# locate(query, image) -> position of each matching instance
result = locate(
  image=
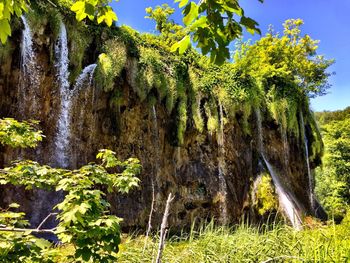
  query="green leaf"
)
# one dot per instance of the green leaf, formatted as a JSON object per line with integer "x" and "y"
{"x": 191, "y": 13}
{"x": 5, "y": 30}
{"x": 201, "y": 22}
{"x": 184, "y": 44}
{"x": 1, "y": 10}
{"x": 250, "y": 25}
{"x": 78, "y": 7}
{"x": 14, "y": 205}
{"x": 182, "y": 3}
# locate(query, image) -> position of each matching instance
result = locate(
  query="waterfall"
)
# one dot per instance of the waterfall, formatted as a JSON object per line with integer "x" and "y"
{"x": 29, "y": 75}
{"x": 310, "y": 179}
{"x": 285, "y": 200}
{"x": 63, "y": 126}
{"x": 86, "y": 74}
{"x": 222, "y": 167}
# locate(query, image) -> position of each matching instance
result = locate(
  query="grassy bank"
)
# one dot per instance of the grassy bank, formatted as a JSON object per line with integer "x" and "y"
{"x": 281, "y": 243}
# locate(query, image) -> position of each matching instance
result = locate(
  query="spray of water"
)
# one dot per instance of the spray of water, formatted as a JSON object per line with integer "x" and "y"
{"x": 286, "y": 202}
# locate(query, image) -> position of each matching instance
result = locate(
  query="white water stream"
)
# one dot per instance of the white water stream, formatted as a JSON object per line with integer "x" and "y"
{"x": 63, "y": 125}
{"x": 222, "y": 168}
{"x": 310, "y": 178}
{"x": 286, "y": 202}
{"x": 29, "y": 79}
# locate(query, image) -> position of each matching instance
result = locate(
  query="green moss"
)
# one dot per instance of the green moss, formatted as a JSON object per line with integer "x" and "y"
{"x": 246, "y": 110}
{"x": 182, "y": 120}
{"x": 79, "y": 40}
{"x": 212, "y": 116}
{"x": 317, "y": 146}
{"x": 172, "y": 95}
{"x": 110, "y": 64}
{"x": 266, "y": 201}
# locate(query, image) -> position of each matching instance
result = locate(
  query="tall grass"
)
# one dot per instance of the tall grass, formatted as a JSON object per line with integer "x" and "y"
{"x": 245, "y": 244}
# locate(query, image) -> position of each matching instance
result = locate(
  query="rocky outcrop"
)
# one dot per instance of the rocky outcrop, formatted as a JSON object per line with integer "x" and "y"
{"x": 135, "y": 129}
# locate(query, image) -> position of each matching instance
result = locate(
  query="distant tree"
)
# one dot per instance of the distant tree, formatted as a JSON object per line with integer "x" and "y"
{"x": 333, "y": 180}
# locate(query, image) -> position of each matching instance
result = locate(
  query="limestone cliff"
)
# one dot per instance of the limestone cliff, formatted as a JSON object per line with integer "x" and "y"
{"x": 136, "y": 128}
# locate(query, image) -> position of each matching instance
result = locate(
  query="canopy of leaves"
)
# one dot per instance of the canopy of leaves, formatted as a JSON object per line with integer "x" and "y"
{"x": 83, "y": 215}
{"x": 289, "y": 61}
{"x": 213, "y": 25}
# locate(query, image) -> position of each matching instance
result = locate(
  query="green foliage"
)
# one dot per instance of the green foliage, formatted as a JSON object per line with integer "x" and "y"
{"x": 182, "y": 121}
{"x": 79, "y": 38}
{"x": 170, "y": 31}
{"x": 83, "y": 214}
{"x": 266, "y": 201}
{"x": 19, "y": 134}
{"x": 20, "y": 246}
{"x": 288, "y": 71}
{"x": 110, "y": 64}
{"x": 333, "y": 180}
{"x": 213, "y": 25}
{"x": 8, "y": 8}
{"x": 94, "y": 9}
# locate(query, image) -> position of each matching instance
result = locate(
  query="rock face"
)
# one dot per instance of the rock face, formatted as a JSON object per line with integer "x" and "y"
{"x": 135, "y": 129}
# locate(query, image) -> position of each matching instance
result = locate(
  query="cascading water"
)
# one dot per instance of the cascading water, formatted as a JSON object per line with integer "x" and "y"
{"x": 284, "y": 199}
{"x": 63, "y": 127}
{"x": 222, "y": 167}
{"x": 29, "y": 76}
{"x": 86, "y": 74}
{"x": 310, "y": 178}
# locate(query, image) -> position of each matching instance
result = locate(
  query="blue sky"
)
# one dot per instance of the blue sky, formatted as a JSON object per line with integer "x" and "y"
{"x": 325, "y": 20}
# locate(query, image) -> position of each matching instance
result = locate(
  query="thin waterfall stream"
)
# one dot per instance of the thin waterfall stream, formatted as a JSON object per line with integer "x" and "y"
{"x": 310, "y": 178}
{"x": 63, "y": 125}
{"x": 29, "y": 79}
{"x": 86, "y": 74}
{"x": 222, "y": 167}
{"x": 285, "y": 200}
{"x": 66, "y": 95}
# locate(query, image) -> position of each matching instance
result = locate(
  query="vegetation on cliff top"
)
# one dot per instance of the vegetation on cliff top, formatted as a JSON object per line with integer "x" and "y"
{"x": 277, "y": 74}
{"x": 213, "y": 25}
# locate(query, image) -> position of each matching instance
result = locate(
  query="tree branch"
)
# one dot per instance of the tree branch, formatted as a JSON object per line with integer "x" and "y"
{"x": 150, "y": 218}
{"x": 163, "y": 230}
{"x": 45, "y": 219}
{"x": 10, "y": 229}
